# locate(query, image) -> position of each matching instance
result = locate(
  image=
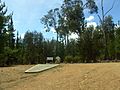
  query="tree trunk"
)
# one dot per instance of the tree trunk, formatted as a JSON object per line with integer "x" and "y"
{"x": 57, "y": 45}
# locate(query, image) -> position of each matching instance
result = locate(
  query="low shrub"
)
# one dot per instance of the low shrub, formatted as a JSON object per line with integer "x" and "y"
{"x": 77, "y": 59}
{"x": 68, "y": 59}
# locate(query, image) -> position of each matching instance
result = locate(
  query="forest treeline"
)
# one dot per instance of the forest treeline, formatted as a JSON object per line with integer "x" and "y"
{"x": 92, "y": 45}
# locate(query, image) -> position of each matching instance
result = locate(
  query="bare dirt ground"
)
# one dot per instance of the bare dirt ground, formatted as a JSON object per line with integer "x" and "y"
{"x": 102, "y": 76}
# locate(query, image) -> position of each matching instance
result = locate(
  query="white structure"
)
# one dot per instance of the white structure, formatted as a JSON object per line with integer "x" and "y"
{"x": 57, "y": 61}
{"x": 49, "y": 59}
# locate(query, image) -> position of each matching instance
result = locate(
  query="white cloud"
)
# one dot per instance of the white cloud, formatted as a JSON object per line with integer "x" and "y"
{"x": 53, "y": 30}
{"x": 117, "y": 26}
{"x": 22, "y": 35}
{"x": 91, "y": 23}
{"x": 73, "y": 36}
{"x": 90, "y": 18}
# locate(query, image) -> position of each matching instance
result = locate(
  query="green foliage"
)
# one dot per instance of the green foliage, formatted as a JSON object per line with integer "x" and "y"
{"x": 8, "y": 58}
{"x": 10, "y": 31}
{"x": 2, "y": 60}
{"x": 71, "y": 48}
{"x": 68, "y": 59}
{"x": 7, "y": 42}
{"x": 61, "y": 50}
{"x": 91, "y": 5}
{"x": 109, "y": 37}
{"x": 117, "y": 42}
{"x": 33, "y": 46}
{"x": 71, "y": 59}
{"x": 77, "y": 59}
{"x": 73, "y": 11}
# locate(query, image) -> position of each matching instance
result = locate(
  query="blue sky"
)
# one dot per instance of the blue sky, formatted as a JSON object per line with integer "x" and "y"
{"x": 27, "y": 13}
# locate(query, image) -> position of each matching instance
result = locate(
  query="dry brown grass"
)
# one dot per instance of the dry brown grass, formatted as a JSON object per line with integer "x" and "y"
{"x": 102, "y": 76}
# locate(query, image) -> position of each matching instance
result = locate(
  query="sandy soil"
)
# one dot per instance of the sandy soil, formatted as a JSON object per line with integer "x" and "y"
{"x": 103, "y": 76}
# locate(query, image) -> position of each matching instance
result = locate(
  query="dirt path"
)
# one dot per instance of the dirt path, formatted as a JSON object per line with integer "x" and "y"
{"x": 69, "y": 77}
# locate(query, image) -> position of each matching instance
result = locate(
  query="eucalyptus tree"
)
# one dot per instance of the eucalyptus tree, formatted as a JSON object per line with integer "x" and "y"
{"x": 69, "y": 18}
{"x": 102, "y": 18}
{"x": 50, "y": 21}
{"x": 91, "y": 4}
{"x": 73, "y": 11}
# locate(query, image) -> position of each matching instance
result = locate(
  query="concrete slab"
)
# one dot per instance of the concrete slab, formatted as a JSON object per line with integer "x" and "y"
{"x": 40, "y": 68}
